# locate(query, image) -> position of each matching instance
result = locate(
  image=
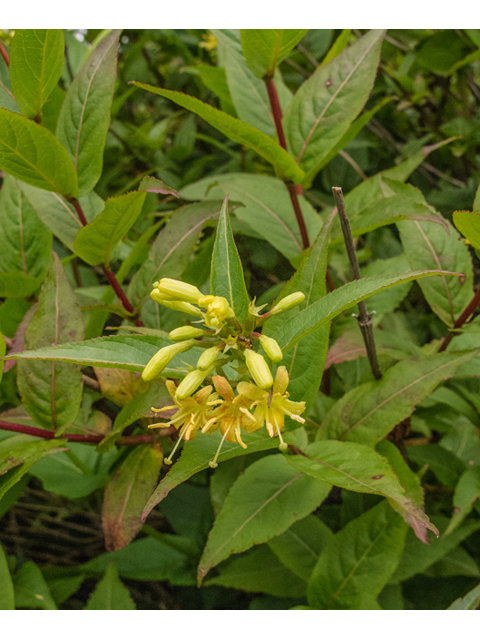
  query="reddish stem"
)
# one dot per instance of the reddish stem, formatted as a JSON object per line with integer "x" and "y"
{"x": 462, "y": 319}
{"x": 79, "y": 210}
{"x": 108, "y": 273}
{"x": 293, "y": 190}
{"x": 73, "y": 437}
{"x": 276, "y": 110}
{"x": 4, "y": 54}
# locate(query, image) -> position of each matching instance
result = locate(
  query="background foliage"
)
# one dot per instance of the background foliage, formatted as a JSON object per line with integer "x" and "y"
{"x": 85, "y": 117}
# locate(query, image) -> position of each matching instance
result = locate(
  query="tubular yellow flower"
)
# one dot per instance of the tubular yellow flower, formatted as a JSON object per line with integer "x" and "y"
{"x": 176, "y": 305}
{"x": 160, "y": 360}
{"x": 169, "y": 288}
{"x": 218, "y": 310}
{"x": 271, "y": 348}
{"x": 287, "y": 303}
{"x": 259, "y": 369}
{"x": 190, "y": 383}
{"x": 272, "y": 407}
{"x": 186, "y": 333}
{"x": 207, "y": 359}
{"x": 231, "y": 416}
{"x": 191, "y": 414}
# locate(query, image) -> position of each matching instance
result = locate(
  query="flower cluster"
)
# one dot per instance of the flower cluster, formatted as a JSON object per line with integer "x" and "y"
{"x": 225, "y": 341}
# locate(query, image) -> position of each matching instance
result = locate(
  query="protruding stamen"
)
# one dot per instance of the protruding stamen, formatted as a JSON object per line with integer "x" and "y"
{"x": 213, "y": 463}
{"x": 239, "y": 437}
{"x": 170, "y": 408}
{"x": 169, "y": 460}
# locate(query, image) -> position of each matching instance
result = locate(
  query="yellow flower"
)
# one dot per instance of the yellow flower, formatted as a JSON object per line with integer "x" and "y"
{"x": 218, "y": 310}
{"x": 231, "y": 415}
{"x": 192, "y": 413}
{"x": 271, "y": 407}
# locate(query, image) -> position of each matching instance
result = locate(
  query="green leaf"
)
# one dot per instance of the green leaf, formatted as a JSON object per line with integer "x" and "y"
{"x": 418, "y": 556}
{"x": 126, "y": 494}
{"x": 469, "y": 602}
{"x": 338, "y": 46}
{"x": 226, "y": 278}
{"x": 306, "y": 372}
{"x": 110, "y": 593}
{"x": 75, "y": 473}
{"x": 300, "y": 546}
{"x": 248, "y": 93}
{"x": 62, "y": 589}
{"x": 36, "y": 63}
{"x": 52, "y": 393}
{"x": 389, "y": 210}
{"x": 173, "y": 247}
{"x": 267, "y": 207}
{"x": 145, "y": 559}
{"x": 356, "y": 467}
{"x": 22, "y": 449}
{"x": 31, "y": 590}
{"x": 123, "y": 352}
{"x": 354, "y": 130}
{"x": 85, "y": 116}
{"x": 196, "y": 455}
{"x": 326, "y": 104}
{"x": 357, "y": 562}
{"x": 409, "y": 481}
{"x": 7, "y": 99}
{"x": 428, "y": 246}
{"x": 322, "y": 311}
{"x": 264, "y": 502}
{"x": 368, "y": 413}
{"x": 59, "y": 215}
{"x": 31, "y": 153}
{"x": 468, "y": 223}
{"x": 443, "y": 463}
{"x": 260, "y": 571}
{"x": 264, "y": 49}
{"x": 7, "y": 596}
{"x": 18, "y": 285}
{"x": 236, "y": 130}
{"x": 466, "y": 492}
{"x": 95, "y": 242}
{"x": 25, "y": 243}
{"x": 216, "y": 80}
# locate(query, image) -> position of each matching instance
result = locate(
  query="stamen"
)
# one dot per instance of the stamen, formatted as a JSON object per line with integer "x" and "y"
{"x": 213, "y": 463}
{"x": 239, "y": 437}
{"x": 208, "y": 424}
{"x": 163, "y": 409}
{"x": 283, "y": 446}
{"x": 169, "y": 460}
{"x": 270, "y": 429}
{"x": 294, "y": 417}
{"x": 159, "y": 425}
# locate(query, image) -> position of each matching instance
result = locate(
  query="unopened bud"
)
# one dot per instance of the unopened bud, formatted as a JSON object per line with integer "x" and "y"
{"x": 218, "y": 310}
{"x": 259, "y": 369}
{"x": 190, "y": 383}
{"x": 185, "y": 333}
{"x": 176, "y": 305}
{"x": 207, "y": 358}
{"x": 271, "y": 348}
{"x": 160, "y": 360}
{"x": 179, "y": 290}
{"x": 281, "y": 380}
{"x": 288, "y": 303}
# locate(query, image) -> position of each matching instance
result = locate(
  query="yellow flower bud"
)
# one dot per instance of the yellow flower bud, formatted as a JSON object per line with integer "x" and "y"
{"x": 208, "y": 358}
{"x": 288, "y": 303}
{"x": 259, "y": 369}
{"x": 176, "y": 305}
{"x": 185, "y": 333}
{"x": 179, "y": 290}
{"x": 190, "y": 383}
{"x": 271, "y": 348}
{"x": 160, "y": 360}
